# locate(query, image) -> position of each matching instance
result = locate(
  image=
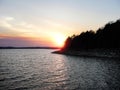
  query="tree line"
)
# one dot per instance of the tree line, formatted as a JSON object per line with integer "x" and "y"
{"x": 105, "y": 37}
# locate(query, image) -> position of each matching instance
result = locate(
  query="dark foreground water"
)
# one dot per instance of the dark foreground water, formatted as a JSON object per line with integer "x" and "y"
{"x": 39, "y": 69}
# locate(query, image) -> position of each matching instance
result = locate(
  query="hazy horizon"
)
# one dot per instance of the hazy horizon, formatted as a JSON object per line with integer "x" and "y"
{"x": 49, "y": 22}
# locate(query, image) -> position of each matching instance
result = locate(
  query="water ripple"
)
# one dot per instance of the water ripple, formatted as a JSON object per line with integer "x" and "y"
{"x": 41, "y": 70}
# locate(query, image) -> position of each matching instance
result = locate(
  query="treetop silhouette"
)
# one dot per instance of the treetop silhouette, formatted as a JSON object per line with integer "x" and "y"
{"x": 105, "y": 37}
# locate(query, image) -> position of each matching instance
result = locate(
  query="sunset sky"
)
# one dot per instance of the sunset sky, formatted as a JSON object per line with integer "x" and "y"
{"x": 50, "y": 22}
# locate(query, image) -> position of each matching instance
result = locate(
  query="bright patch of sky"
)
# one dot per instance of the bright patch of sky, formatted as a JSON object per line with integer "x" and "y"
{"x": 39, "y": 19}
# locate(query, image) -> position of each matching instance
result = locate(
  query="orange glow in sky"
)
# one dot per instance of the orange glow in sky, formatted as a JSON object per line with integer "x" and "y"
{"x": 50, "y": 22}
{"x": 58, "y": 39}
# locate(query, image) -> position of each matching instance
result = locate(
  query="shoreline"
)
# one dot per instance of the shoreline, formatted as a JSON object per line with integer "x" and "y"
{"x": 105, "y": 53}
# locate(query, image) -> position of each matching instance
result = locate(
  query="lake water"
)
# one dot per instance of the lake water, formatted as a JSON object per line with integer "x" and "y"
{"x": 39, "y": 69}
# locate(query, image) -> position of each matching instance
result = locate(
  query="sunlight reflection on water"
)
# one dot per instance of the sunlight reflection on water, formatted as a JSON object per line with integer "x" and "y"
{"x": 58, "y": 71}
{"x": 40, "y": 70}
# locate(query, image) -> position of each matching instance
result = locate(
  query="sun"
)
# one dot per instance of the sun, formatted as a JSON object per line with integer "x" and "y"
{"x": 59, "y": 39}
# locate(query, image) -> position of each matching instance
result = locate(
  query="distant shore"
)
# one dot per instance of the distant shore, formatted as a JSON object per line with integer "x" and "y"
{"x": 109, "y": 53}
{"x": 29, "y": 48}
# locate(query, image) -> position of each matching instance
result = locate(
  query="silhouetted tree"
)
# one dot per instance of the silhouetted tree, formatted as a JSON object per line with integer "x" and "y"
{"x": 67, "y": 43}
{"x": 105, "y": 37}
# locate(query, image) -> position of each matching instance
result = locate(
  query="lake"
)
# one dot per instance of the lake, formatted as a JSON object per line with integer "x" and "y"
{"x": 39, "y": 69}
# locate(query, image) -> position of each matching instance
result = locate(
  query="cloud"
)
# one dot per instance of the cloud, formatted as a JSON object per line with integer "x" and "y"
{"x": 26, "y": 25}
{"x": 52, "y": 23}
{"x": 9, "y": 18}
{"x": 23, "y": 41}
{"x": 36, "y": 32}
{"x": 15, "y": 41}
{"x": 4, "y": 22}
{"x": 13, "y": 26}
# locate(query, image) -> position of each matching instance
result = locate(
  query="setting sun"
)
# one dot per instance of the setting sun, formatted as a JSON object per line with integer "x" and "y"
{"x": 59, "y": 39}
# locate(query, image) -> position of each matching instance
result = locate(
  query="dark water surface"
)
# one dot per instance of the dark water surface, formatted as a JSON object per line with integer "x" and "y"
{"x": 39, "y": 69}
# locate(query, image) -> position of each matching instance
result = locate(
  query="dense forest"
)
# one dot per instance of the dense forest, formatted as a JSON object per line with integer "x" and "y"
{"x": 105, "y": 37}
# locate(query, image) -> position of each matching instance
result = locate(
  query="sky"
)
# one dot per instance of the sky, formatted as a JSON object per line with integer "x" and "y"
{"x": 50, "y": 22}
